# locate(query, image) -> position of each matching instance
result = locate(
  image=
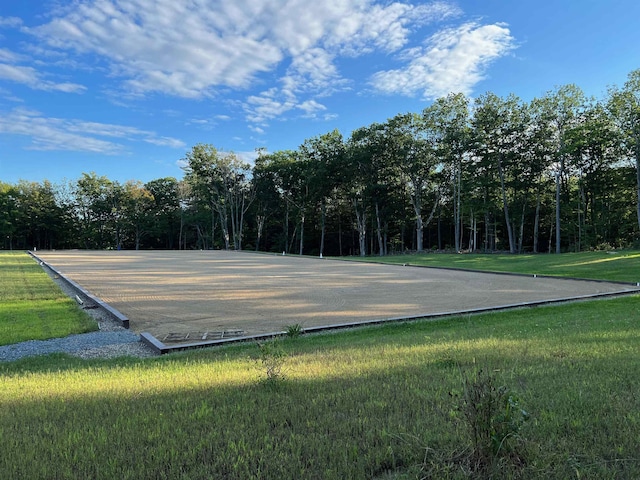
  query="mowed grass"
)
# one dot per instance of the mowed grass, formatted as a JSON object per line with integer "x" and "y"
{"x": 32, "y": 307}
{"x": 379, "y": 402}
{"x": 622, "y": 266}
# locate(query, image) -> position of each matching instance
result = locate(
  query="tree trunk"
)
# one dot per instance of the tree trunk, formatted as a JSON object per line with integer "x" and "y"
{"x": 225, "y": 228}
{"x": 475, "y": 234}
{"x": 417, "y": 208}
{"x": 339, "y": 236}
{"x": 286, "y": 228}
{"x": 301, "y": 234}
{"x": 379, "y": 230}
{"x": 293, "y": 239}
{"x": 521, "y": 235}
{"x": 512, "y": 247}
{"x": 361, "y": 221}
{"x": 557, "y": 212}
{"x": 323, "y": 216}
{"x": 456, "y": 205}
{"x": 260, "y": 219}
{"x": 536, "y": 222}
{"x": 638, "y": 179}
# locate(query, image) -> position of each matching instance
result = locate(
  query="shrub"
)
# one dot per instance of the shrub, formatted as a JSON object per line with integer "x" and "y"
{"x": 493, "y": 418}
{"x": 295, "y": 330}
{"x": 272, "y": 360}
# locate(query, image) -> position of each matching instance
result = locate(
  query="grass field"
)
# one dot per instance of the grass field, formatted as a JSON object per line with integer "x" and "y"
{"x": 384, "y": 402}
{"x": 32, "y": 307}
{"x": 623, "y": 266}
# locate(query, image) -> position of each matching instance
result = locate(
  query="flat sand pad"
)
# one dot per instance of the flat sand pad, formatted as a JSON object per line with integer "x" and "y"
{"x": 166, "y": 292}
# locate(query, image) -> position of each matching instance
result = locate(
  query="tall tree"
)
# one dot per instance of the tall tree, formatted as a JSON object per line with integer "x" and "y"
{"x": 223, "y": 179}
{"x": 449, "y": 117}
{"x": 592, "y": 143}
{"x": 499, "y": 129}
{"x": 97, "y": 204}
{"x": 268, "y": 201}
{"x": 625, "y": 105}
{"x": 137, "y": 211}
{"x": 563, "y": 104}
{"x": 324, "y": 155}
{"x": 412, "y": 147}
{"x": 289, "y": 176}
{"x": 165, "y": 210}
{"x": 541, "y": 156}
{"x": 10, "y": 220}
{"x": 369, "y": 181}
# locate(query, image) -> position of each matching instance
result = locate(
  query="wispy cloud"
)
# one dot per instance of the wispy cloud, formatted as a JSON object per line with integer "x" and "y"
{"x": 173, "y": 48}
{"x": 201, "y": 49}
{"x": 29, "y": 76}
{"x": 47, "y": 133}
{"x": 10, "y": 22}
{"x": 453, "y": 60}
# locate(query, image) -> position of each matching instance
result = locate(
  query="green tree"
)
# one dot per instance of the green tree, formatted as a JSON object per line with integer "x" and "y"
{"x": 165, "y": 211}
{"x": 592, "y": 143}
{"x": 563, "y": 108}
{"x": 411, "y": 145}
{"x": 10, "y": 220}
{"x": 97, "y": 204}
{"x": 323, "y": 156}
{"x": 541, "y": 156}
{"x": 625, "y": 105}
{"x": 223, "y": 179}
{"x": 42, "y": 220}
{"x": 499, "y": 126}
{"x": 137, "y": 211}
{"x": 449, "y": 117}
{"x": 370, "y": 181}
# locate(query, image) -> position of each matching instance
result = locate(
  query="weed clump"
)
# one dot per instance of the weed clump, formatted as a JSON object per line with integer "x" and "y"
{"x": 295, "y": 330}
{"x": 272, "y": 359}
{"x": 493, "y": 418}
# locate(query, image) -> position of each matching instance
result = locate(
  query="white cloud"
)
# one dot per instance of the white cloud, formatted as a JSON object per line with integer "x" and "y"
{"x": 29, "y": 76}
{"x": 48, "y": 133}
{"x": 256, "y": 129}
{"x": 10, "y": 22}
{"x": 454, "y": 60}
{"x": 188, "y": 49}
{"x": 248, "y": 156}
{"x": 311, "y": 107}
{"x": 203, "y": 48}
{"x": 9, "y": 56}
{"x": 32, "y": 78}
{"x": 268, "y": 105}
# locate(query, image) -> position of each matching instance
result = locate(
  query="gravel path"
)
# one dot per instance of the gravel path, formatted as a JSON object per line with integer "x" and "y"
{"x": 112, "y": 340}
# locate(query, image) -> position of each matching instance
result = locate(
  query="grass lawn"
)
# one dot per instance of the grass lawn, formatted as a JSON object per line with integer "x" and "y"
{"x": 380, "y": 402}
{"x": 622, "y": 266}
{"x": 32, "y": 307}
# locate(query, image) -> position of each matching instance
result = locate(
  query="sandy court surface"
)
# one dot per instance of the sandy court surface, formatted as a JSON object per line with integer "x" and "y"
{"x": 165, "y": 292}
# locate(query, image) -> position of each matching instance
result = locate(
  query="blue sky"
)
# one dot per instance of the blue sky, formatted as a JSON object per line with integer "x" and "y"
{"x": 124, "y": 88}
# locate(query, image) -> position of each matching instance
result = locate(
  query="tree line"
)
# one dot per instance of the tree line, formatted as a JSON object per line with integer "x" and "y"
{"x": 558, "y": 173}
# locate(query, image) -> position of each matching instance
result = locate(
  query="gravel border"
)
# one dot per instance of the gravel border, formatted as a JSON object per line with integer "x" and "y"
{"x": 112, "y": 340}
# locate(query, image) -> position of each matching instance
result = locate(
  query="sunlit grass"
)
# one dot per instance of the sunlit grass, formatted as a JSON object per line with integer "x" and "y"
{"x": 354, "y": 404}
{"x": 377, "y": 402}
{"x": 32, "y": 307}
{"x": 622, "y": 266}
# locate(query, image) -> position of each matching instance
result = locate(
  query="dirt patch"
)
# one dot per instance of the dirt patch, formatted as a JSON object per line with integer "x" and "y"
{"x": 178, "y": 292}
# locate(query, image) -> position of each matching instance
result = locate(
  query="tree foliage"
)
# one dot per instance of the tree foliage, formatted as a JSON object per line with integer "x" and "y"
{"x": 559, "y": 171}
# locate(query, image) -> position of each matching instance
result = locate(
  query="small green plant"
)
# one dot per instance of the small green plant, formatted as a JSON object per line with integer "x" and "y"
{"x": 294, "y": 331}
{"x": 494, "y": 418}
{"x": 272, "y": 360}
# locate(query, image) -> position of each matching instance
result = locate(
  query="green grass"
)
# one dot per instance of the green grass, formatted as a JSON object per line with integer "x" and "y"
{"x": 379, "y": 402}
{"x": 32, "y": 307}
{"x": 622, "y": 266}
